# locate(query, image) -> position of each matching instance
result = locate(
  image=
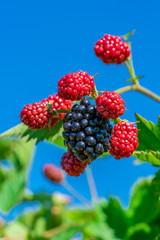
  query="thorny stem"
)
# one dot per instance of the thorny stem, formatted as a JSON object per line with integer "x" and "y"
{"x": 75, "y": 193}
{"x": 91, "y": 183}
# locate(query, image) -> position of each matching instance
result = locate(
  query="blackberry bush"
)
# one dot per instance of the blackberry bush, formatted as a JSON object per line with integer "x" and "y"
{"x": 86, "y": 133}
{"x": 85, "y": 130}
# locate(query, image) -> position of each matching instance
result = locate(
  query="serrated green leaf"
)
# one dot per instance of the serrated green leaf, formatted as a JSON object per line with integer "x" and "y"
{"x": 148, "y": 135}
{"x": 50, "y": 134}
{"x": 11, "y": 191}
{"x": 45, "y": 133}
{"x": 151, "y": 157}
{"x": 17, "y": 131}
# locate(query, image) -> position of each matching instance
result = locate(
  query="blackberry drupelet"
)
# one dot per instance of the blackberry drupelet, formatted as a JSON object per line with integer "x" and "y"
{"x": 86, "y": 133}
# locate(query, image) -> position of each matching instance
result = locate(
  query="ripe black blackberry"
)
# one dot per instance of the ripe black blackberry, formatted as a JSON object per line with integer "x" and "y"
{"x": 86, "y": 133}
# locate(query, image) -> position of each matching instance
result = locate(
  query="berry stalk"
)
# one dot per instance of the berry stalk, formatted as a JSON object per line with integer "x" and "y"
{"x": 91, "y": 183}
{"x": 76, "y": 194}
{"x": 136, "y": 86}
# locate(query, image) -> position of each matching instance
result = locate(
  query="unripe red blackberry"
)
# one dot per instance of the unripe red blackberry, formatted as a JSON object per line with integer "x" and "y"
{"x": 110, "y": 105}
{"x": 124, "y": 141}
{"x": 111, "y": 49}
{"x": 37, "y": 116}
{"x": 72, "y": 165}
{"x": 74, "y": 86}
{"x": 53, "y": 173}
{"x": 86, "y": 133}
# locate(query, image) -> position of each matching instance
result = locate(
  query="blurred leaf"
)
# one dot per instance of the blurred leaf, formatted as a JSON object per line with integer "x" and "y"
{"x": 99, "y": 230}
{"x": 16, "y": 150}
{"x": 65, "y": 233}
{"x": 40, "y": 227}
{"x": 144, "y": 203}
{"x": 16, "y": 229}
{"x": 28, "y": 219}
{"x": 22, "y": 130}
{"x": 82, "y": 215}
{"x": 14, "y": 180}
{"x": 11, "y": 191}
{"x": 116, "y": 217}
{"x": 148, "y": 134}
{"x": 156, "y": 181}
{"x": 139, "y": 232}
{"x": 6, "y": 147}
{"x": 151, "y": 157}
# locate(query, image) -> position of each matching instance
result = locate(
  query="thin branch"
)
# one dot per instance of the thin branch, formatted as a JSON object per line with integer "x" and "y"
{"x": 148, "y": 93}
{"x": 141, "y": 89}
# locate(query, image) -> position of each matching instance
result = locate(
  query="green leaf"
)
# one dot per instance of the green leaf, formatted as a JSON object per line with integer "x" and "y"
{"x": 6, "y": 147}
{"x": 14, "y": 180}
{"x": 126, "y": 37}
{"x": 22, "y": 130}
{"x": 149, "y": 141}
{"x": 148, "y": 135}
{"x": 151, "y": 157}
{"x": 18, "y": 130}
{"x": 11, "y": 191}
{"x": 116, "y": 217}
{"x": 156, "y": 181}
{"x": 144, "y": 203}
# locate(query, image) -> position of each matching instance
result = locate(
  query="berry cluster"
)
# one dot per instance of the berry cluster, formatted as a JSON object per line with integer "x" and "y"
{"x": 111, "y": 49}
{"x": 53, "y": 173}
{"x": 37, "y": 116}
{"x": 74, "y": 86}
{"x": 124, "y": 141}
{"x": 110, "y": 105}
{"x": 86, "y": 133}
{"x": 72, "y": 165}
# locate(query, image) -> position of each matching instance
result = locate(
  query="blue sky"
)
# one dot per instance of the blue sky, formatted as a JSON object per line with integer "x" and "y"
{"x": 41, "y": 41}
